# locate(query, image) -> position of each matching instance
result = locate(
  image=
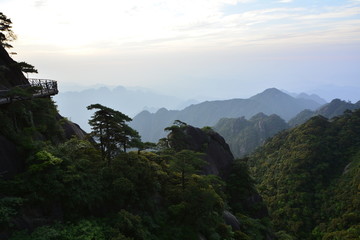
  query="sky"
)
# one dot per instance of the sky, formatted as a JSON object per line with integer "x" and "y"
{"x": 203, "y": 49}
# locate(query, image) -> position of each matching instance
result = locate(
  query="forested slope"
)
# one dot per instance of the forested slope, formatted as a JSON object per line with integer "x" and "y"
{"x": 309, "y": 177}
{"x": 67, "y": 191}
{"x": 244, "y": 136}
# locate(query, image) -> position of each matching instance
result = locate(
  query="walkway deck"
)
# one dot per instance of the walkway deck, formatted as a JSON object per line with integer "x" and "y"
{"x": 42, "y": 88}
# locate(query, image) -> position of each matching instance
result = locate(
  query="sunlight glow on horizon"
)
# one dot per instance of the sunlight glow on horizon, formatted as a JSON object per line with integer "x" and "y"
{"x": 172, "y": 44}
{"x": 85, "y": 26}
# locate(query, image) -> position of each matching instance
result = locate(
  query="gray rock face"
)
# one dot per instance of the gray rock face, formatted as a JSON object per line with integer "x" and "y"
{"x": 73, "y": 130}
{"x": 231, "y": 220}
{"x": 217, "y": 152}
{"x": 10, "y": 74}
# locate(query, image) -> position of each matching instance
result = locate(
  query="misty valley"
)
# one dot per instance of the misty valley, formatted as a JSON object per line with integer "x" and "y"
{"x": 130, "y": 164}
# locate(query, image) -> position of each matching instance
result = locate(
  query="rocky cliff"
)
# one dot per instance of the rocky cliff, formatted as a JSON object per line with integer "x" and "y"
{"x": 217, "y": 152}
{"x": 10, "y": 74}
{"x": 243, "y": 197}
{"x": 24, "y": 122}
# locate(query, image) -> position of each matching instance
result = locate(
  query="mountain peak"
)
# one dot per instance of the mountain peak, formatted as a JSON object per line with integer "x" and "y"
{"x": 272, "y": 93}
{"x": 258, "y": 116}
{"x": 162, "y": 110}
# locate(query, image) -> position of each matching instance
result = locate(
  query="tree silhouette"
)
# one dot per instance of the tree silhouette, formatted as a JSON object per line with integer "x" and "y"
{"x": 111, "y": 132}
{"x": 26, "y": 68}
{"x": 6, "y": 33}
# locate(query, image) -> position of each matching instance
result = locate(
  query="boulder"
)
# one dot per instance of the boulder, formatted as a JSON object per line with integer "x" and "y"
{"x": 217, "y": 152}
{"x": 231, "y": 220}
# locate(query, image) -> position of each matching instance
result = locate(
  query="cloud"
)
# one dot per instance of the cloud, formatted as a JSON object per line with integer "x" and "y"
{"x": 285, "y": 1}
{"x": 88, "y": 26}
{"x": 40, "y": 3}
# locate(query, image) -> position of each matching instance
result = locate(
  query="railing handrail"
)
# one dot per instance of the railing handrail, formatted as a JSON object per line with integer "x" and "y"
{"x": 47, "y": 87}
{"x": 34, "y": 82}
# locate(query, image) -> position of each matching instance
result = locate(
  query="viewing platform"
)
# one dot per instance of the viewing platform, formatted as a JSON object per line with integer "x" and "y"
{"x": 41, "y": 88}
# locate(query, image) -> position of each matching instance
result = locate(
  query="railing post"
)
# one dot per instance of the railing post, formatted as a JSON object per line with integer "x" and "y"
{"x": 47, "y": 88}
{"x": 42, "y": 88}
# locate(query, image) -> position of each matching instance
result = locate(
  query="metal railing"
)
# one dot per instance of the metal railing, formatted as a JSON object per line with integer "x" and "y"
{"x": 41, "y": 87}
{"x": 45, "y": 87}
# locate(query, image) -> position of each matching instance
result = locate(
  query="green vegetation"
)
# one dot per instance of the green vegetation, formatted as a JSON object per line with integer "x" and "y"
{"x": 26, "y": 123}
{"x": 111, "y": 131}
{"x": 244, "y": 136}
{"x": 68, "y": 191}
{"x": 309, "y": 178}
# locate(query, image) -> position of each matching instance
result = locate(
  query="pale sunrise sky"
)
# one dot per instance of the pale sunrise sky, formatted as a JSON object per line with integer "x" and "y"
{"x": 213, "y": 49}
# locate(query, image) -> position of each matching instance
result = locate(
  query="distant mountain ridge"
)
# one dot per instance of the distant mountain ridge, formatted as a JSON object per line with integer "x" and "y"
{"x": 244, "y": 136}
{"x": 130, "y": 102}
{"x": 314, "y": 97}
{"x": 271, "y": 101}
{"x": 335, "y": 108}
{"x": 303, "y": 95}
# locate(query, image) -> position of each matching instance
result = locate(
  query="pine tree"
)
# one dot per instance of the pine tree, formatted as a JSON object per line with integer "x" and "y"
{"x": 110, "y": 131}
{"x": 6, "y": 33}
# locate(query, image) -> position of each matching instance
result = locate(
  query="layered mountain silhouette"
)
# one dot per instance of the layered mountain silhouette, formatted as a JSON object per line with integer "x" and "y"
{"x": 303, "y": 95}
{"x": 128, "y": 101}
{"x": 271, "y": 101}
{"x": 335, "y": 108}
{"x": 314, "y": 97}
{"x": 244, "y": 136}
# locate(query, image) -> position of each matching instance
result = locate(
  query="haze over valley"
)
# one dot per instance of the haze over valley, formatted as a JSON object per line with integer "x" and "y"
{"x": 181, "y": 120}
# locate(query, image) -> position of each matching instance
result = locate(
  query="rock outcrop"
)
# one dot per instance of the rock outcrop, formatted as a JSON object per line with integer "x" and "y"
{"x": 231, "y": 220}
{"x": 71, "y": 129}
{"x": 216, "y": 152}
{"x": 221, "y": 163}
{"x": 10, "y": 73}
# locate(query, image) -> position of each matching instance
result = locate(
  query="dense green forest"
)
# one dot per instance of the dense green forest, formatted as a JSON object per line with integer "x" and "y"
{"x": 74, "y": 189}
{"x": 310, "y": 177}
